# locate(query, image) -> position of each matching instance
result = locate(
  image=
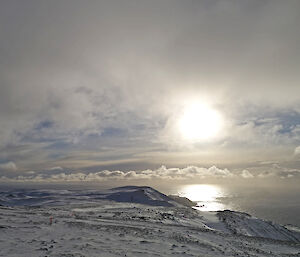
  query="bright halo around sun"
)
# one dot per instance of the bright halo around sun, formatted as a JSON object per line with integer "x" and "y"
{"x": 200, "y": 122}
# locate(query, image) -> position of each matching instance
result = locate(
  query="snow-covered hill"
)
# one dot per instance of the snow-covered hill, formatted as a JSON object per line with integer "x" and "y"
{"x": 133, "y": 194}
{"x": 142, "y": 195}
{"x": 131, "y": 221}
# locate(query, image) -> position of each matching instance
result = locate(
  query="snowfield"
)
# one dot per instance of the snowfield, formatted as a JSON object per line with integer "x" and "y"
{"x": 131, "y": 221}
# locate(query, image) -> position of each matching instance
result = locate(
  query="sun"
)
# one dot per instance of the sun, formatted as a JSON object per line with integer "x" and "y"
{"x": 199, "y": 122}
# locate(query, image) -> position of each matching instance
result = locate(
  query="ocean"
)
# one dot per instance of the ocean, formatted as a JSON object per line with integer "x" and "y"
{"x": 281, "y": 205}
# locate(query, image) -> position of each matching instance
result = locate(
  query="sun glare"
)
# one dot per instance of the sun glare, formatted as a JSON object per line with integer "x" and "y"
{"x": 205, "y": 195}
{"x": 199, "y": 122}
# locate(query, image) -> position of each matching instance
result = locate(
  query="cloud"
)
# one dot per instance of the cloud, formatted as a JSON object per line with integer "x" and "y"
{"x": 246, "y": 174}
{"x": 8, "y": 166}
{"x": 161, "y": 173}
{"x": 267, "y": 174}
{"x": 297, "y": 150}
{"x": 83, "y": 89}
{"x": 56, "y": 168}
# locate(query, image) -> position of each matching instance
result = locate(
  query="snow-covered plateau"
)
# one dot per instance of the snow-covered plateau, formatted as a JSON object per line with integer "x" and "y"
{"x": 131, "y": 221}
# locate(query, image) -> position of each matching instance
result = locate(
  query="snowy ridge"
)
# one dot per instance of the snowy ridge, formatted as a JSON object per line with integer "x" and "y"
{"x": 131, "y": 221}
{"x": 133, "y": 194}
{"x": 245, "y": 224}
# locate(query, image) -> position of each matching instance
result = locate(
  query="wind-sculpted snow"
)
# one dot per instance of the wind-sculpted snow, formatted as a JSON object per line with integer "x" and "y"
{"x": 130, "y": 221}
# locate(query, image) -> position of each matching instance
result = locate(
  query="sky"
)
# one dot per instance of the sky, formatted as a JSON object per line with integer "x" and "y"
{"x": 160, "y": 89}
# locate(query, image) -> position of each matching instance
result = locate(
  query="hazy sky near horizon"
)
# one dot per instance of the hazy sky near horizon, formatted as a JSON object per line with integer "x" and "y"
{"x": 95, "y": 89}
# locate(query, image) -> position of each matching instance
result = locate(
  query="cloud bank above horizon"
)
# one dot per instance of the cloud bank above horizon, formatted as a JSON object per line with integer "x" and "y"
{"x": 58, "y": 174}
{"x": 101, "y": 85}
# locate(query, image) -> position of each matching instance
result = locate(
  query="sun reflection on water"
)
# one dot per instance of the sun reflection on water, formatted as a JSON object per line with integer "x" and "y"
{"x": 206, "y": 196}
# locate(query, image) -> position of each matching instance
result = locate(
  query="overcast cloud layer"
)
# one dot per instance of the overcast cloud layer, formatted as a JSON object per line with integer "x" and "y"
{"x": 96, "y": 85}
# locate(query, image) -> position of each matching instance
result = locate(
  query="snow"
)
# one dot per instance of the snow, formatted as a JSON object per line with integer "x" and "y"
{"x": 131, "y": 221}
